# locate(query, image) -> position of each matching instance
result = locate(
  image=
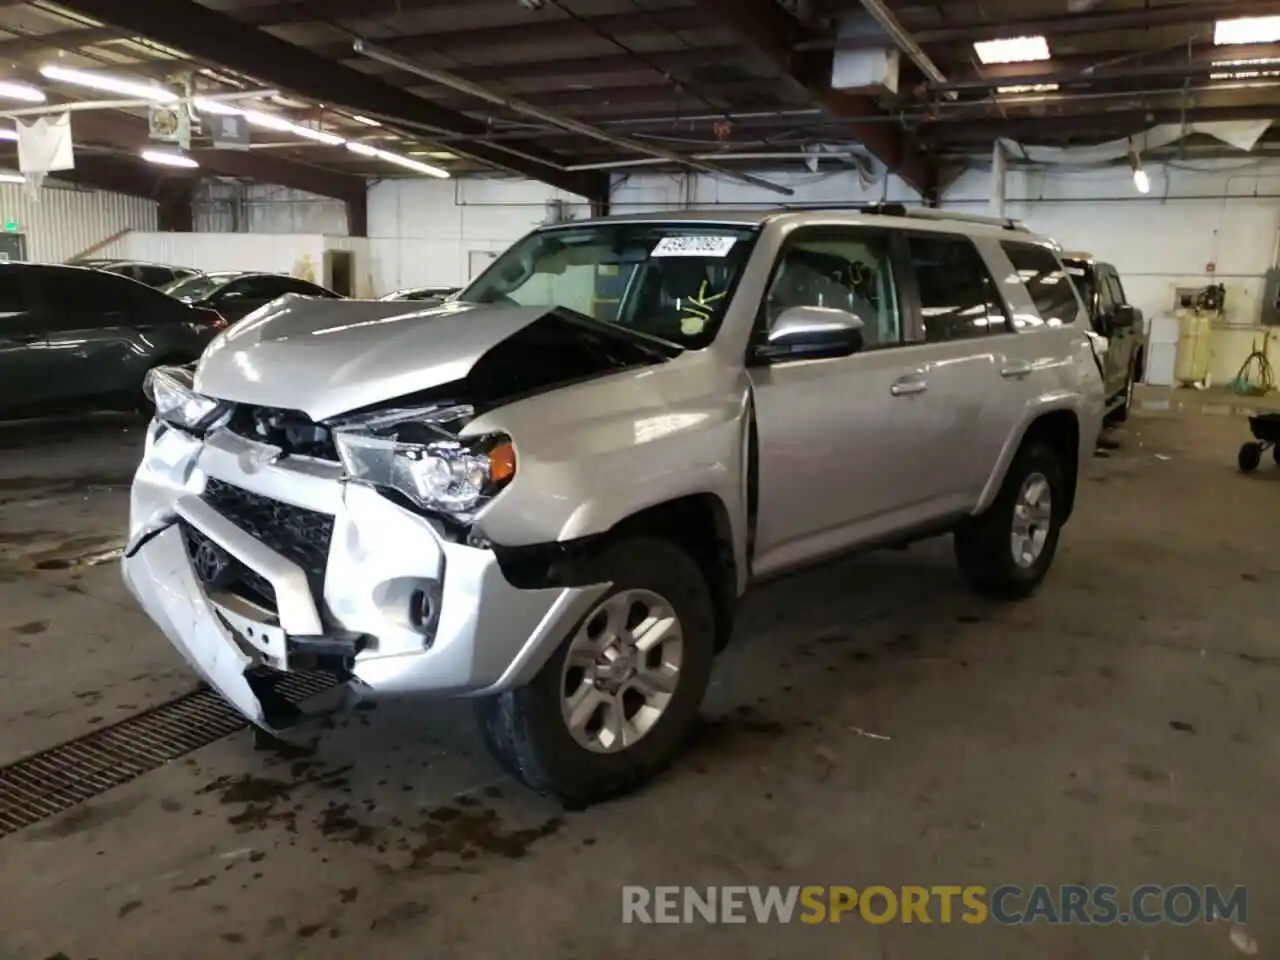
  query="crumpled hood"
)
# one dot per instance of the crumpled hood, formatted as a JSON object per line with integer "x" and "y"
{"x": 327, "y": 357}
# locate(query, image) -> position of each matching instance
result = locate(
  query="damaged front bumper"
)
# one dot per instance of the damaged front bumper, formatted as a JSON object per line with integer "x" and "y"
{"x": 251, "y": 565}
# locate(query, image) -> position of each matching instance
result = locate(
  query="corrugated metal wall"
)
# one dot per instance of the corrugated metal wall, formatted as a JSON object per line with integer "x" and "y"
{"x": 60, "y": 223}
{"x": 222, "y": 207}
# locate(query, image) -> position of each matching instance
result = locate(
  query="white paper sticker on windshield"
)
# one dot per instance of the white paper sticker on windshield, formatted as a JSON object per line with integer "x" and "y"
{"x": 694, "y": 247}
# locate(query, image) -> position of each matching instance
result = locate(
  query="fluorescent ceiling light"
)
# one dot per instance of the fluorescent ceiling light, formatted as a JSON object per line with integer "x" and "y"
{"x": 1141, "y": 181}
{"x": 367, "y": 121}
{"x": 108, "y": 83}
{"x": 1247, "y": 69}
{"x": 12, "y": 178}
{"x": 415, "y": 165}
{"x": 1012, "y": 50}
{"x": 1246, "y": 30}
{"x": 10, "y": 90}
{"x": 7, "y": 134}
{"x": 1028, "y": 88}
{"x": 269, "y": 121}
{"x": 166, "y": 159}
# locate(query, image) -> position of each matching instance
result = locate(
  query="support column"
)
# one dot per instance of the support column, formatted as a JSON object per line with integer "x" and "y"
{"x": 358, "y": 215}
{"x": 999, "y": 173}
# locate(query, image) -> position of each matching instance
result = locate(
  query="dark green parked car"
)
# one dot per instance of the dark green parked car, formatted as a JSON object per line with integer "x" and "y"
{"x": 73, "y": 338}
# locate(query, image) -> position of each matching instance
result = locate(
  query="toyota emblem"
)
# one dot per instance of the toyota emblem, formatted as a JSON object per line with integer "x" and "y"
{"x": 211, "y": 563}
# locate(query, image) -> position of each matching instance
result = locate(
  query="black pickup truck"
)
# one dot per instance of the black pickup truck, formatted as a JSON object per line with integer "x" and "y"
{"x": 1116, "y": 319}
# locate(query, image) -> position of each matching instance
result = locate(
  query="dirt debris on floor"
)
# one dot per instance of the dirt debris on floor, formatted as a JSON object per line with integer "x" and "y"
{"x": 872, "y": 724}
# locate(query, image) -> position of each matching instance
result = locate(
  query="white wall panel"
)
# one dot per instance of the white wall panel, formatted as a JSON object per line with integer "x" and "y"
{"x": 1221, "y": 212}
{"x": 60, "y": 223}
{"x": 279, "y": 253}
{"x": 421, "y": 232}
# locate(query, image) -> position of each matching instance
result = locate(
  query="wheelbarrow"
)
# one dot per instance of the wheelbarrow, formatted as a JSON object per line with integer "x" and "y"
{"x": 1266, "y": 433}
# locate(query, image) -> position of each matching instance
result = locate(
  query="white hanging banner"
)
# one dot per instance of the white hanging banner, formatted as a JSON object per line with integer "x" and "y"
{"x": 1241, "y": 134}
{"x": 45, "y": 144}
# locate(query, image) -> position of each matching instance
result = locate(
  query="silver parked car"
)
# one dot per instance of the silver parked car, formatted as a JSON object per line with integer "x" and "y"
{"x": 551, "y": 493}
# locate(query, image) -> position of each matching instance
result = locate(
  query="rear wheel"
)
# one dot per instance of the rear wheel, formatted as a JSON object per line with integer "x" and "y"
{"x": 613, "y": 704}
{"x": 1007, "y": 550}
{"x": 1249, "y": 457}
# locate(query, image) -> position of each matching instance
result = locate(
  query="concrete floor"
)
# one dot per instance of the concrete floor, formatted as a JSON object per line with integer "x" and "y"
{"x": 1120, "y": 728}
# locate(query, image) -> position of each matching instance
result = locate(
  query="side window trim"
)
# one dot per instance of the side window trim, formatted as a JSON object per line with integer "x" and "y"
{"x": 894, "y": 249}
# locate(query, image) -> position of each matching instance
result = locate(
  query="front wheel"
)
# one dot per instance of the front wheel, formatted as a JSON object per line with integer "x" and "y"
{"x": 613, "y": 704}
{"x": 1007, "y": 550}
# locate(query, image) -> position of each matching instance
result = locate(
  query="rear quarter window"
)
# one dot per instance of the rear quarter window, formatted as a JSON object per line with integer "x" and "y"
{"x": 1047, "y": 282}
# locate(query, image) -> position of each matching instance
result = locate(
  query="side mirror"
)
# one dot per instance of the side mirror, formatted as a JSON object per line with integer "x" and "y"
{"x": 811, "y": 333}
{"x": 1124, "y": 316}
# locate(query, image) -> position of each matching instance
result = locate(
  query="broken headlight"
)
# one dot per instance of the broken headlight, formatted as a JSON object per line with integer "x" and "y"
{"x": 415, "y": 454}
{"x": 172, "y": 391}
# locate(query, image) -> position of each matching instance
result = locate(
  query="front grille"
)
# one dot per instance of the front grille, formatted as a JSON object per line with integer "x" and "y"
{"x": 291, "y": 430}
{"x": 295, "y": 533}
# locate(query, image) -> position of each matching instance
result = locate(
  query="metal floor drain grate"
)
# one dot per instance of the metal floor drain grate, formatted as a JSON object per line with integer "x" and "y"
{"x": 53, "y": 781}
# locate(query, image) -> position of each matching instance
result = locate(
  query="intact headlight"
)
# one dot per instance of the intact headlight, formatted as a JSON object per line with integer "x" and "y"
{"x": 413, "y": 454}
{"x": 172, "y": 391}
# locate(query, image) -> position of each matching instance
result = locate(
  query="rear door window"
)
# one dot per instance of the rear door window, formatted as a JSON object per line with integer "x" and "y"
{"x": 155, "y": 276}
{"x": 1046, "y": 281}
{"x": 264, "y": 288}
{"x": 958, "y": 298}
{"x": 82, "y": 294}
{"x": 304, "y": 288}
{"x": 14, "y": 292}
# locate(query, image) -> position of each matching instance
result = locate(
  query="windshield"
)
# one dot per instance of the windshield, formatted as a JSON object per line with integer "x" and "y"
{"x": 667, "y": 280}
{"x": 197, "y": 287}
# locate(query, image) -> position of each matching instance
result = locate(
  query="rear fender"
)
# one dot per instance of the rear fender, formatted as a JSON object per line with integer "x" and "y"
{"x": 1051, "y": 403}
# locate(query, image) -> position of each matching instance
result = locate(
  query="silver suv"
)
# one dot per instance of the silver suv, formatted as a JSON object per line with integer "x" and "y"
{"x": 550, "y": 493}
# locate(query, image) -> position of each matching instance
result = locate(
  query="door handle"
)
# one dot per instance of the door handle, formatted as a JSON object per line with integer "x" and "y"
{"x": 906, "y": 386}
{"x": 1016, "y": 369}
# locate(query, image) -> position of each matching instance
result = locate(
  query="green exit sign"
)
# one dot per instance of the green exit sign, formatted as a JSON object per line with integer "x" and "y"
{"x": 11, "y": 226}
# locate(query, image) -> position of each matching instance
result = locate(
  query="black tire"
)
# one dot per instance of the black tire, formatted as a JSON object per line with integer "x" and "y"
{"x": 1249, "y": 457}
{"x": 983, "y": 544}
{"x": 1275, "y": 454}
{"x": 1121, "y": 413}
{"x": 525, "y": 730}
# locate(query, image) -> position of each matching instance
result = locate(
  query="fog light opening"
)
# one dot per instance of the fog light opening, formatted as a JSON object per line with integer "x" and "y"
{"x": 423, "y": 608}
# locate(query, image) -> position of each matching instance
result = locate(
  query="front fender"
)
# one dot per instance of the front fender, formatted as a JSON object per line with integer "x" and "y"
{"x": 592, "y": 455}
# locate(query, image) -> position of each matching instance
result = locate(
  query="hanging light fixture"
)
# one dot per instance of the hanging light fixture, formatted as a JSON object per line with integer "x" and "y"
{"x": 1140, "y": 179}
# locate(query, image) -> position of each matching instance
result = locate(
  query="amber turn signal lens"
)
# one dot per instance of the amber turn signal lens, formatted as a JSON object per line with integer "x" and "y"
{"x": 502, "y": 464}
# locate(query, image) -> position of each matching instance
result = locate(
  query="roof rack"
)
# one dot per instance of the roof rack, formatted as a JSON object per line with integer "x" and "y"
{"x": 923, "y": 213}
